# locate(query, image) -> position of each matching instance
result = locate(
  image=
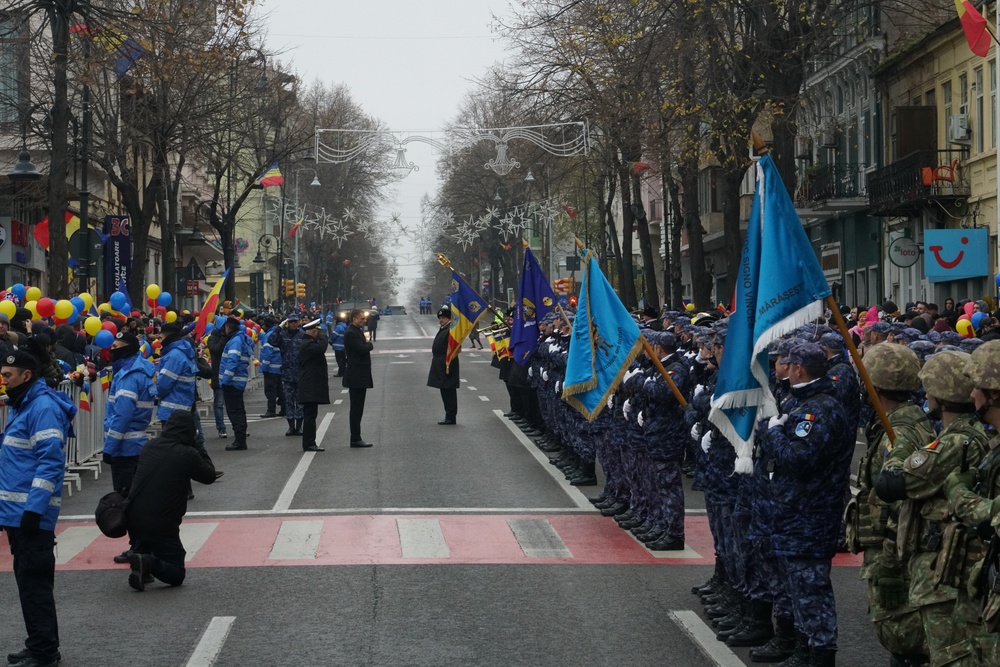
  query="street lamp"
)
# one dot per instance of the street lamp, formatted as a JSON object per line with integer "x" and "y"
{"x": 530, "y": 178}
{"x": 314, "y": 184}
{"x": 24, "y": 170}
{"x": 265, "y": 240}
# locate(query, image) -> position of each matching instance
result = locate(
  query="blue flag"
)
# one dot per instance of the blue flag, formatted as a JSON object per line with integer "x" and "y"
{"x": 779, "y": 288}
{"x": 605, "y": 341}
{"x": 466, "y": 309}
{"x": 535, "y": 300}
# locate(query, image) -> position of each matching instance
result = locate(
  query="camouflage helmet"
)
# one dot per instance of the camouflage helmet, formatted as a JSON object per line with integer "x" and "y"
{"x": 944, "y": 377}
{"x": 893, "y": 367}
{"x": 983, "y": 367}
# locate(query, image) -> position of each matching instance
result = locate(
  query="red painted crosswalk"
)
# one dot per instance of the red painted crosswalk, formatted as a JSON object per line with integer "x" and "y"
{"x": 388, "y": 539}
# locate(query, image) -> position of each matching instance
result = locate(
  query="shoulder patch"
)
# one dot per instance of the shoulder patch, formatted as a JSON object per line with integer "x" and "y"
{"x": 918, "y": 459}
{"x": 933, "y": 446}
{"x": 803, "y": 428}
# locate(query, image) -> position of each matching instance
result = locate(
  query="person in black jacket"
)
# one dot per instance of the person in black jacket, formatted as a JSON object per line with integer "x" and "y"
{"x": 442, "y": 375}
{"x": 314, "y": 381}
{"x": 358, "y": 372}
{"x": 158, "y": 501}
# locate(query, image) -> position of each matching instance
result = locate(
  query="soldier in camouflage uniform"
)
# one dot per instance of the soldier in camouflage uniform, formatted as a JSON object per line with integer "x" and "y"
{"x": 973, "y": 496}
{"x": 893, "y": 370}
{"x": 940, "y": 553}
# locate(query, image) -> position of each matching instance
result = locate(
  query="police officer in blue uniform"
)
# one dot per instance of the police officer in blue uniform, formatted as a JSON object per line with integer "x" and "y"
{"x": 234, "y": 372}
{"x": 288, "y": 340}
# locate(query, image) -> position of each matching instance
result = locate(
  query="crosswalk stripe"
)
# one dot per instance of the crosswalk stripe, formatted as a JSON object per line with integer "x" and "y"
{"x": 73, "y": 540}
{"x": 538, "y": 539}
{"x": 194, "y": 536}
{"x": 297, "y": 540}
{"x": 422, "y": 538}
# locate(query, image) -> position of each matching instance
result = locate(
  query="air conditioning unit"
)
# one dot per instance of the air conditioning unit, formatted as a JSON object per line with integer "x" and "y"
{"x": 958, "y": 129}
{"x": 803, "y": 148}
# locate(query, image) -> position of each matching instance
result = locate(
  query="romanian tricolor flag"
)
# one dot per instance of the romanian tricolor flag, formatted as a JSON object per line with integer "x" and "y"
{"x": 271, "y": 177}
{"x": 85, "y": 396}
{"x": 466, "y": 309}
{"x": 211, "y": 303}
{"x": 105, "y": 379}
{"x": 126, "y": 50}
{"x": 975, "y": 28}
{"x": 296, "y": 226}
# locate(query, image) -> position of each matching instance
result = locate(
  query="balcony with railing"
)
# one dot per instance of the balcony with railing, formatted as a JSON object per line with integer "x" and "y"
{"x": 833, "y": 187}
{"x": 913, "y": 182}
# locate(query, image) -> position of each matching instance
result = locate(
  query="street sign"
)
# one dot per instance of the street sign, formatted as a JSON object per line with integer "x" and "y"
{"x": 192, "y": 287}
{"x": 904, "y": 252}
{"x": 78, "y": 250}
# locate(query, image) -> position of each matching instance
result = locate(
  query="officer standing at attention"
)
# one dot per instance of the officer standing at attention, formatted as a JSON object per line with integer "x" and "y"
{"x": 811, "y": 458}
{"x": 870, "y": 521}
{"x": 358, "y": 372}
{"x": 925, "y": 535}
{"x": 337, "y": 343}
{"x": 234, "y": 371}
{"x": 442, "y": 375}
{"x": 288, "y": 341}
{"x": 32, "y": 466}
{"x": 270, "y": 366}
{"x": 314, "y": 382}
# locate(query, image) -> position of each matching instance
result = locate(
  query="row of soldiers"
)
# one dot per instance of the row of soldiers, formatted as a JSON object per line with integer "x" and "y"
{"x": 771, "y": 589}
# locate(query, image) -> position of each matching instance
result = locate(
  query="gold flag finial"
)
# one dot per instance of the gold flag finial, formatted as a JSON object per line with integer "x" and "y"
{"x": 443, "y": 260}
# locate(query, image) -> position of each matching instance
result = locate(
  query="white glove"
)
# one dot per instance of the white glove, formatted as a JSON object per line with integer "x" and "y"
{"x": 706, "y": 442}
{"x": 777, "y": 421}
{"x": 649, "y": 379}
{"x": 611, "y": 401}
{"x": 558, "y": 387}
{"x": 696, "y": 431}
{"x": 627, "y": 407}
{"x": 531, "y": 371}
{"x": 699, "y": 389}
{"x": 638, "y": 418}
{"x": 629, "y": 374}
{"x": 545, "y": 376}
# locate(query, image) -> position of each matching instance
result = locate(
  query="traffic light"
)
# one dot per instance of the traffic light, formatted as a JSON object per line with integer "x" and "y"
{"x": 300, "y": 290}
{"x": 289, "y": 287}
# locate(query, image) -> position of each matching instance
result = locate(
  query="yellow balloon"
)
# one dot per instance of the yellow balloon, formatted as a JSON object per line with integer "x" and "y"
{"x": 32, "y": 307}
{"x": 152, "y": 291}
{"x": 64, "y": 309}
{"x": 104, "y": 308}
{"x": 8, "y": 308}
{"x": 33, "y": 294}
{"x": 92, "y": 325}
{"x": 88, "y": 301}
{"x": 689, "y": 307}
{"x": 171, "y": 316}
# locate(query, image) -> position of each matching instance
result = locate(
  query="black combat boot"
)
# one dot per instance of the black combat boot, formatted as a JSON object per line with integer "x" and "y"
{"x": 291, "y": 427}
{"x": 617, "y": 509}
{"x": 800, "y": 655}
{"x": 712, "y": 582}
{"x": 781, "y": 646}
{"x": 586, "y": 475}
{"x": 741, "y": 611}
{"x": 298, "y": 426}
{"x": 822, "y": 657}
{"x": 758, "y": 629}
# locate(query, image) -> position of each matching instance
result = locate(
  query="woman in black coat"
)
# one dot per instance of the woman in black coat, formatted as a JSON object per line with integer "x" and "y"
{"x": 444, "y": 376}
{"x": 358, "y": 372}
{"x": 314, "y": 381}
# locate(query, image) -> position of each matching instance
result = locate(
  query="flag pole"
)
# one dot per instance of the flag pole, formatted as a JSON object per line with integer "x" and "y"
{"x": 652, "y": 354}
{"x": 862, "y": 371}
{"x": 559, "y": 307}
{"x": 446, "y": 263}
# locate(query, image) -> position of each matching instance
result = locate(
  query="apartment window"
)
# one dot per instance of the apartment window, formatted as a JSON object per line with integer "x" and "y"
{"x": 930, "y": 99}
{"x": 13, "y": 52}
{"x": 709, "y": 192}
{"x": 980, "y": 127}
{"x": 893, "y": 140}
{"x": 963, "y": 92}
{"x": 946, "y": 98}
{"x": 993, "y": 104}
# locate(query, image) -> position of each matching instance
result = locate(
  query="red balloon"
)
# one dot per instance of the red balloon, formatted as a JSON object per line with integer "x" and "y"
{"x": 108, "y": 325}
{"x": 196, "y": 313}
{"x": 57, "y": 321}
{"x": 136, "y": 313}
{"x": 45, "y": 307}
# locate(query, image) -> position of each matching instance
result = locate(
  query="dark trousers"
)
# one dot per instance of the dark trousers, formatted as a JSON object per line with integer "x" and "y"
{"x": 164, "y": 557}
{"x": 237, "y": 413}
{"x": 272, "y": 390}
{"x": 357, "y": 412}
{"x": 341, "y": 356}
{"x": 372, "y": 333}
{"x": 450, "y": 399}
{"x": 122, "y": 472}
{"x": 34, "y": 572}
{"x": 309, "y": 412}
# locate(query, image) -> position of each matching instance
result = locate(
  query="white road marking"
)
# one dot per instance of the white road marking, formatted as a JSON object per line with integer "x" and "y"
{"x": 70, "y": 542}
{"x": 297, "y": 540}
{"x": 210, "y": 645}
{"x": 295, "y": 480}
{"x": 472, "y": 389}
{"x": 575, "y": 494}
{"x": 422, "y": 538}
{"x": 484, "y": 398}
{"x": 704, "y": 637}
{"x": 402, "y": 362}
{"x": 194, "y": 536}
{"x": 344, "y": 391}
{"x": 464, "y": 380}
{"x": 338, "y": 401}
{"x": 538, "y": 539}
{"x": 480, "y": 362}
{"x": 379, "y": 510}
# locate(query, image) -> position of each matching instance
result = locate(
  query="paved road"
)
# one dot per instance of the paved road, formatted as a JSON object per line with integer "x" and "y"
{"x": 439, "y": 546}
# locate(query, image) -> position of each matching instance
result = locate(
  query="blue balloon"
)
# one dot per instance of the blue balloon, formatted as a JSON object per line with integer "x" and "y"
{"x": 118, "y": 301}
{"x": 976, "y": 319}
{"x": 78, "y": 304}
{"x": 104, "y": 339}
{"x": 19, "y": 291}
{"x": 209, "y": 327}
{"x": 73, "y": 317}
{"x": 164, "y": 299}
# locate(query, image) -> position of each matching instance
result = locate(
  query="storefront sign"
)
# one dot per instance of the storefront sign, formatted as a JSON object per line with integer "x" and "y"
{"x": 904, "y": 252}
{"x": 955, "y": 254}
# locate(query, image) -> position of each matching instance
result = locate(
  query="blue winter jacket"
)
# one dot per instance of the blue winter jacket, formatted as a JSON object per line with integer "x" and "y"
{"x": 176, "y": 378}
{"x": 234, "y": 369}
{"x": 337, "y": 338}
{"x": 33, "y": 456}
{"x": 270, "y": 356}
{"x": 130, "y": 407}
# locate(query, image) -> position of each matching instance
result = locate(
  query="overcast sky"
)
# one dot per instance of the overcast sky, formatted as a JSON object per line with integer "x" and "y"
{"x": 407, "y": 63}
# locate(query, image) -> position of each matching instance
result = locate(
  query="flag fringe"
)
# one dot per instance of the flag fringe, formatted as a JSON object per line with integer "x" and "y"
{"x": 799, "y": 318}
{"x": 601, "y": 404}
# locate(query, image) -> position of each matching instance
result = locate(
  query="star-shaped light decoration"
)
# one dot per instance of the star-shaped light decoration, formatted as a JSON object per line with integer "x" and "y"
{"x": 547, "y": 211}
{"x": 516, "y": 220}
{"x": 339, "y": 232}
{"x": 349, "y": 214}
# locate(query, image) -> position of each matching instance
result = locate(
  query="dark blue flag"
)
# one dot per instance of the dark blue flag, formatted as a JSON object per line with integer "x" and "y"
{"x": 535, "y": 300}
